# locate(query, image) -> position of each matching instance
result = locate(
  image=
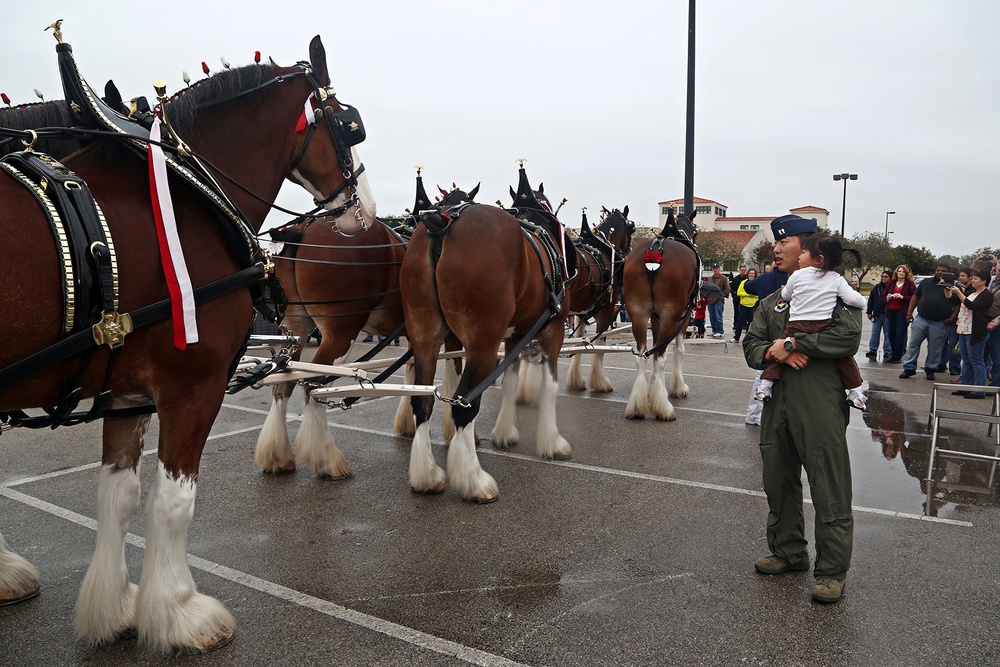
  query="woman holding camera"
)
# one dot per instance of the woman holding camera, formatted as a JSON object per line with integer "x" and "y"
{"x": 897, "y": 301}
{"x": 973, "y": 317}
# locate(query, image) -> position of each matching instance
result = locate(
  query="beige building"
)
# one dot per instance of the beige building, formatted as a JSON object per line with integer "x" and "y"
{"x": 747, "y": 231}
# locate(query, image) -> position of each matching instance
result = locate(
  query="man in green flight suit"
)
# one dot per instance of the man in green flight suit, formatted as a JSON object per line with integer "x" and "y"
{"x": 804, "y": 424}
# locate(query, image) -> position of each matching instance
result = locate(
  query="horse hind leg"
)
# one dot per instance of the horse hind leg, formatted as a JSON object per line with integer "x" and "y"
{"x": 18, "y": 577}
{"x": 105, "y": 609}
{"x": 274, "y": 453}
{"x": 659, "y": 404}
{"x": 316, "y": 445}
{"x": 426, "y": 476}
{"x": 464, "y": 472}
{"x": 638, "y": 400}
{"x": 448, "y": 386}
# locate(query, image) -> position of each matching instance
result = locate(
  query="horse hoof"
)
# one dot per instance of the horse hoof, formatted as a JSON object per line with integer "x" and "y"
{"x": 636, "y": 417}
{"x": 562, "y": 456}
{"x": 486, "y": 499}
{"x": 125, "y": 634}
{"x": 433, "y": 491}
{"x": 282, "y": 470}
{"x": 8, "y": 600}
{"x": 209, "y": 643}
{"x": 666, "y": 418}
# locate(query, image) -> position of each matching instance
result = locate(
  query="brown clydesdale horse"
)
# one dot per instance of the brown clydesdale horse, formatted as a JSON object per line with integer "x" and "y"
{"x": 594, "y": 292}
{"x": 246, "y": 127}
{"x": 661, "y": 278}
{"x": 472, "y": 271}
{"x": 342, "y": 285}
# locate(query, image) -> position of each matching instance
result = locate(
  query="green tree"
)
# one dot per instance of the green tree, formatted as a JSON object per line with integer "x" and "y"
{"x": 920, "y": 260}
{"x": 714, "y": 248}
{"x": 876, "y": 254}
{"x": 762, "y": 254}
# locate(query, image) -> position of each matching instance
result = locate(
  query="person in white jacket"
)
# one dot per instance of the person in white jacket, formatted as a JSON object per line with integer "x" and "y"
{"x": 811, "y": 294}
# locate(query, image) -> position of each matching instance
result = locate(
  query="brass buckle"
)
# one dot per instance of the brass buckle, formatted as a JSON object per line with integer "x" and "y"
{"x": 112, "y": 329}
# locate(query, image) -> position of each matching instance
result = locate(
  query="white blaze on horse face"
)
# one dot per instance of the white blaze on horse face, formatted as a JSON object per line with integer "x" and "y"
{"x": 365, "y": 197}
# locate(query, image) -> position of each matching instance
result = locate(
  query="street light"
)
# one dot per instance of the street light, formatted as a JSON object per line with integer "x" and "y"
{"x": 844, "y": 178}
{"x": 887, "y": 214}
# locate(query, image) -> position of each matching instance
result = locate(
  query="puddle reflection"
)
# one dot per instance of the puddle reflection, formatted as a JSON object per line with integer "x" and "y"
{"x": 902, "y": 436}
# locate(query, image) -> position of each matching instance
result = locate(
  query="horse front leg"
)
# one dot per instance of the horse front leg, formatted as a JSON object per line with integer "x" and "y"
{"x": 679, "y": 388}
{"x": 599, "y": 381}
{"x": 274, "y": 453}
{"x": 105, "y": 609}
{"x": 18, "y": 577}
{"x": 171, "y": 615}
{"x": 550, "y": 444}
{"x": 505, "y": 434}
{"x": 402, "y": 423}
{"x": 316, "y": 445}
{"x": 574, "y": 376}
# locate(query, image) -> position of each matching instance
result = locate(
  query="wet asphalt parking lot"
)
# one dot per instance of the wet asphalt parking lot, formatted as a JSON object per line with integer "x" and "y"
{"x": 638, "y": 551}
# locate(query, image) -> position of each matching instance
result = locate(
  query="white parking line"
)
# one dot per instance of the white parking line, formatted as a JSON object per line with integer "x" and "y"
{"x": 360, "y": 619}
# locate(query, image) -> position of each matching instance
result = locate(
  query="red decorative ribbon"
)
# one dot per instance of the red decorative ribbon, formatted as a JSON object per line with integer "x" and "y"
{"x": 652, "y": 257}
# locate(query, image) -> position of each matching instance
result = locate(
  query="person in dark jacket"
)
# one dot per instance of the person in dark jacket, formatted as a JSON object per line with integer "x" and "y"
{"x": 876, "y": 313}
{"x": 973, "y": 317}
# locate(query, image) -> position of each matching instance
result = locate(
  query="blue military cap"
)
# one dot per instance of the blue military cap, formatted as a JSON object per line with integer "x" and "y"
{"x": 790, "y": 225}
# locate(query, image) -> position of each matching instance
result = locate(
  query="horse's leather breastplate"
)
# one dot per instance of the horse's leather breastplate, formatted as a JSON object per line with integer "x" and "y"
{"x": 87, "y": 259}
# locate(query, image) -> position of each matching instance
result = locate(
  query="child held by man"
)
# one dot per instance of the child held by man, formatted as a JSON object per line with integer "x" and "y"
{"x": 812, "y": 293}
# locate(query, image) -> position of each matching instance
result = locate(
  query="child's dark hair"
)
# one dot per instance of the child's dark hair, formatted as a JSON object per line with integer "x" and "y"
{"x": 829, "y": 247}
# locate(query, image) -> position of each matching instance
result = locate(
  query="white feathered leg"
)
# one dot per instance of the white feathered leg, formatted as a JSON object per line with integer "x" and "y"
{"x": 274, "y": 452}
{"x": 449, "y": 383}
{"x": 170, "y": 612}
{"x": 574, "y": 377}
{"x": 599, "y": 380}
{"x": 404, "y": 424}
{"x": 316, "y": 446}
{"x": 464, "y": 472}
{"x": 638, "y": 400}
{"x": 106, "y": 606}
{"x": 659, "y": 404}
{"x": 18, "y": 577}
{"x": 551, "y": 445}
{"x": 505, "y": 434}
{"x": 425, "y": 474}
{"x": 679, "y": 388}
{"x": 530, "y": 384}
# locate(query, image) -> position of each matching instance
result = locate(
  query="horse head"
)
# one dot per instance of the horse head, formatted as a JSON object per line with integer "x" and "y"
{"x": 617, "y": 229}
{"x": 681, "y": 226}
{"x": 456, "y": 196}
{"x": 301, "y": 120}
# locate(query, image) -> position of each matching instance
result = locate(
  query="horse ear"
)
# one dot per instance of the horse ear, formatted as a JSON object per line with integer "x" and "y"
{"x": 625, "y": 212}
{"x": 317, "y": 58}
{"x": 113, "y": 98}
{"x": 513, "y": 195}
{"x": 474, "y": 191}
{"x": 541, "y": 188}
{"x": 442, "y": 191}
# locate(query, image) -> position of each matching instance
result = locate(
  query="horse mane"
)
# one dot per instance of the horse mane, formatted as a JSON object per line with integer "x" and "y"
{"x": 183, "y": 106}
{"x": 35, "y": 115}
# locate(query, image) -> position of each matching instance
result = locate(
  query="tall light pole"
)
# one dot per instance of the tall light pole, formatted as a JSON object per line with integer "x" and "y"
{"x": 844, "y": 178}
{"x": 887, "y": 214}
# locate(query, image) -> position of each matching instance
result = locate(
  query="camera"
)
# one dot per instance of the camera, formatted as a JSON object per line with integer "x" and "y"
{"x": 949, "y": 280}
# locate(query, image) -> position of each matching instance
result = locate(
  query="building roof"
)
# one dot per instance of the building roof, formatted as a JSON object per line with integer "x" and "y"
{"x": 808, "y": 208}
{"x": 739, "y": 239}
{"x": 696, "y": 200}
{"x": 752, "y": 218}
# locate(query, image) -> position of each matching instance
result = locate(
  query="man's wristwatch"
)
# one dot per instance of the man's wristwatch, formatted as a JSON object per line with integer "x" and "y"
{"x": 789, "y": 345}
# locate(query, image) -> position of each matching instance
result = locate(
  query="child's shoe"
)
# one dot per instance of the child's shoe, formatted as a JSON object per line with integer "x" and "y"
{"x": 857, "y": 399}
{"x": 762, "y": 394}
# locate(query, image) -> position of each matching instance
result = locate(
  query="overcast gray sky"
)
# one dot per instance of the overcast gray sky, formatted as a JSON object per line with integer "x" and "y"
{"x": 592, "y": 93}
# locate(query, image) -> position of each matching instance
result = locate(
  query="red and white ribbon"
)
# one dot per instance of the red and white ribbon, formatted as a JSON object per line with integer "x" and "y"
{"x": 308, "y": 116}
{"x": 182, "y": 306}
